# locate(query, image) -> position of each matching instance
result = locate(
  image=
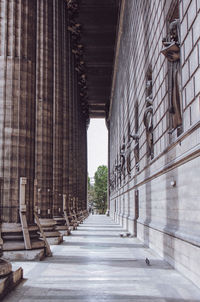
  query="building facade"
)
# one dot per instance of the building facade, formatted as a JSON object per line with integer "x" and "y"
{"x": 154, "y": 129}
{"x": 57, "y": 71}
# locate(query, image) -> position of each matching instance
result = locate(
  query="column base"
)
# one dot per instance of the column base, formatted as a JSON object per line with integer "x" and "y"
{"x": 72, "y": 221}
{"x": 53, "y": 236}
{"x": 25, "y": 255}
{"x": 61, "y": 226}
{"x": 5, "y": 268}
{"x": 14, "y": 246}
{"x": 8, "y": 282}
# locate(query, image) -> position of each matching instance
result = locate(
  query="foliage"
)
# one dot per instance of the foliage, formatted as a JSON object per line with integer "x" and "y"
{"x": 100, "y": 189}
{"x": 91, "y": 193}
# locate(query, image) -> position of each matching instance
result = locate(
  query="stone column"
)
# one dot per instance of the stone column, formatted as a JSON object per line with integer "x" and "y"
{"x": 17, "y": 116}
{"x": 44, "y": 118}
{"x": 85, "y": 206}
{"x": 66, "y": 109}
{"x": 79, "y": 160}
{"x": 71, "y": 126}
{"x": 60, "y": 65}
{"x": 79, "y": 148}
{"x": 76, "y": 145}
{"x": 82, "y": 169}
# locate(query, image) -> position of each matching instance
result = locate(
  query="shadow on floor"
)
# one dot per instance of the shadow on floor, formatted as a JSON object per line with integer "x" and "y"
{"x": 95, "y": 235}
{"x": 102, "y": 225}
{"x": 57, "y": 295}
{"x": 118, "y": 262}
{"x": 100, "y": 230}
{"x": 107, "y": 245}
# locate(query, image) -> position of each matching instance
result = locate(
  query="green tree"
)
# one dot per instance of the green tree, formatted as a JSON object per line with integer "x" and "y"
{"x": 100, "y": 189}
{"x": 91, "y": 193}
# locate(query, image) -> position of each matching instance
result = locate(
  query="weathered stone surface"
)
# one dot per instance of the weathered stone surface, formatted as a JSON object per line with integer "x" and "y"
{"x": 168, "y": 216}
{"x": 44, "y": 108}
{"x": 5, "y": 268}
{"x": 96, "y": 264}
{"x": 17, "y": 86}
{"x": 23, "y": 255}
{"x": 9, "y": 282}
{"x": 17, "y": 118}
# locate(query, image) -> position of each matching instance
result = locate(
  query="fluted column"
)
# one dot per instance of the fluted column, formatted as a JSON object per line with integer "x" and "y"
{"x": 44, "y": 117}
{"x": 82, "y": 167}
{"x": 66, "y": 109}
{"x": 67, "y": 105}
{"x": 85, "y": 160}
{"x": 58, "y": 110}
{"x": 17, "y": 116}
{"x": 76, "y": 145}
{"x": 71, "y": 125}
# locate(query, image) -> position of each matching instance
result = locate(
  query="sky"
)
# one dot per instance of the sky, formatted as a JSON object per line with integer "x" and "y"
{"x": 97, "y": 145}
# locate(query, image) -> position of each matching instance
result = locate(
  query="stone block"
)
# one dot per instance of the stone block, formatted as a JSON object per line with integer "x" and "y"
{"x": 188, "y": 44}
{"x": 195, "y": 29}
{"x": 189, "y": 89}
{"x": 184, "y": 29}
{"x": 185, "y": 73}
{"x": 198, "y": 5}
{"x": 199, "y": 53}
{"x": 55, "y": 240}
{"x": 181, "y": 10}
{"x": 9, "y": 282}
{"x": 197, "y": 81}
{"x": 24, "y": 255}
{"x": 184, "y": 104}
{"x": 194, "y": 60}
{"x": 185, "y": 5}
{"x": 192, "y": 11}
{"x": 195, "y": 110}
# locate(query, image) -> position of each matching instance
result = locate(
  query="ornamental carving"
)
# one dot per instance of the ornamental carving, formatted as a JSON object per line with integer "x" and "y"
{"x": 148, "y": 115}
{"x": 171, "y": 50}
{"x": 75, "y": 29}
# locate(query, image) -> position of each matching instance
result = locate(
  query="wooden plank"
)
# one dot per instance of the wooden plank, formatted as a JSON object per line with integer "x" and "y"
{"x": 1, "y": 243}
{"x": 22, "y": 213}
{"x": 25, "y": 230}
{"x": 49, "y": 253}
{"x": 67, "y": 219}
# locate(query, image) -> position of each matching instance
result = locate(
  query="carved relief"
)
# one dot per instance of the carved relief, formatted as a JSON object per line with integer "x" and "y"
{"x": 123, "y": 157}
{"x": 128, "y": 153}
{"x": 128, "y": 159}
{"x": 171, "y": 50}
{"x": 75, "y": 30}
{"x": 148, "y": 115}
{"x": 136, "y": 154}
{"x": 136, "y": 138}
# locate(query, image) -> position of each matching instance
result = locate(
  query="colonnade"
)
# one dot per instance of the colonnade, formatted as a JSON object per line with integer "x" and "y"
{"x": 43, "y": 129}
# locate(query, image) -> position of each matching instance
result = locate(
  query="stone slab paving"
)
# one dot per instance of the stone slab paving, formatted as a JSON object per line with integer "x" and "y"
{"x": 95, "y": 265}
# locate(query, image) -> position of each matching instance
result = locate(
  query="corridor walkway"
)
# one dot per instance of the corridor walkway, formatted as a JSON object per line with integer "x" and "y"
{"x": 96, "y": 265}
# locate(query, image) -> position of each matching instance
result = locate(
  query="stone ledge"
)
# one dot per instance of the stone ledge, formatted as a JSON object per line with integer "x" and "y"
{"x": 9, "y": 282}
{"x": 181, "y": 235}
{"x": 24, "y": 255}
{"x": 55, "y": 240}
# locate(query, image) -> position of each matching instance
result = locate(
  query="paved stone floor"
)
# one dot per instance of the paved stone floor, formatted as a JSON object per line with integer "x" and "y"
{"x": 96, "y": 265}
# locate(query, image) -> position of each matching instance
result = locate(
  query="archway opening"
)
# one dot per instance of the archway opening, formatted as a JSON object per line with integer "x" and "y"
{"x": 97, "y": 166}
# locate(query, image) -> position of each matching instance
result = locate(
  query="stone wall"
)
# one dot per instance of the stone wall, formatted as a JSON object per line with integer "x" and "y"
{"x": 154, "y": 193}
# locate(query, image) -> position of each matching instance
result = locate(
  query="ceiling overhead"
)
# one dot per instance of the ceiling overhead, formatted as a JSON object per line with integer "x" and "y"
{"x": 99, "y": 23}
